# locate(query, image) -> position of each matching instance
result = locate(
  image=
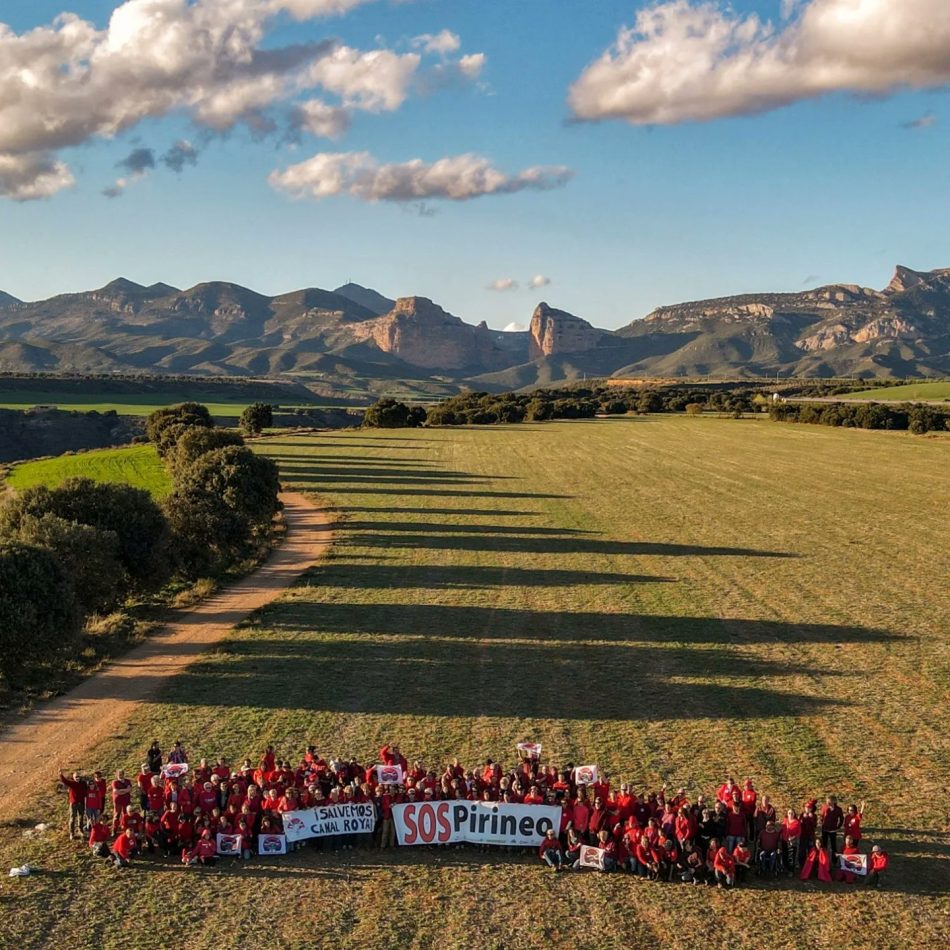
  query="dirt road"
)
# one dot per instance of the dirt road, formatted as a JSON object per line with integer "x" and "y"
{"x": 65, "y": 729}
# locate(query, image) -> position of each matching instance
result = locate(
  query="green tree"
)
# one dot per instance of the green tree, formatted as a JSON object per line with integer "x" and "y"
{"x": 390, "y": 414}
{"x": 88, "y": 555}
{"x": 197, "y": 442}
{"x": 257, "y": 417}
{"x": 130, "y": 513}
{"x": 247, "y": 483}
{"x": 650, "y": 401}
{"x": 38, "y": 615}
{"x": 208, "y": 535}
{"x": 185, "y": 416}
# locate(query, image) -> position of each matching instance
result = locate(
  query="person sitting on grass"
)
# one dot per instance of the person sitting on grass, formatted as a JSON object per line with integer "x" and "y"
{"x": 123, "y": 849}
{"x": 743, "y": 857}
{"x": 609, "y": 847}
{"x": 878, "y": 865}
{"x": 850, "y": 848}
{"x": 550, "y": 851}
{"x": 99, "y": 834}
{"x": 724, "y": 865}
{"x": 203, "y": 853}
{"x": 768, "y": 849}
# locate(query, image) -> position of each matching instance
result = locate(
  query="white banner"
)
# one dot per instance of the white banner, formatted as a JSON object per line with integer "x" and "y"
{"x": 390, "y": 775}
{"x": 592, "y": 857}
{"x": 475, "y": 822}
{"x": 271, "y": 844}
{"x": 586, "y": 775}
{"x": 229, "y": 845}
{"x": 175, "y": 769}
{"x": 532, "y": 749}
{"x": 854, "y": 863}
{"x": 324, "y": 820}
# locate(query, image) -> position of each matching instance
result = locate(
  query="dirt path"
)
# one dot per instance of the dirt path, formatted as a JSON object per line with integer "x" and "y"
{"x": 62, "y": 731}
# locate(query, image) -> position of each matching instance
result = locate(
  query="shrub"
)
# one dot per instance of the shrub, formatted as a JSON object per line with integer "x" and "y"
{"x": 539, "y": 410}
{"x": 247, "y": 483}
{"x": 197, "y": 442}
{"x": 88, "y": 555}
{"x": 391, "y": 414}
{"x": 130, "y": 513}
{"x": 650, "y": 402}
{"x": 38, "y": 615}
{"x": 693, "y": 408}
{"x": 188, "y": 415}
{"x": 209, "y": 535}
{"x": 923, "y": 419}
{"x": 257, "y": 417}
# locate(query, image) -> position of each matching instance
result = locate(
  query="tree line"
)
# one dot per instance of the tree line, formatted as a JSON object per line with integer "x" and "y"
{"x": 905, "y": 416}
{"x": 85, "y": 548}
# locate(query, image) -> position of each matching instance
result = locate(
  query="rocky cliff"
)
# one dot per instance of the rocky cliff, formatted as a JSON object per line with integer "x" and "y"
{"x": 554, "y": 332}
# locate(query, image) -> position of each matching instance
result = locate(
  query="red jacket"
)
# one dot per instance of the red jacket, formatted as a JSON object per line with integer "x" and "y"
{"x": 77, "y": 790}
{"x": 547, "y": 844}
{"x": 724, "y": 861}
{"x": 878, "y": 860}
{"x": 122, "y": 846}
{"x": 98, "y": 832}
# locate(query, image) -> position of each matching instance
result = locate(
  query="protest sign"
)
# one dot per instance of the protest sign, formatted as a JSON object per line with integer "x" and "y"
{"x": 532, "y": 749}
{"x": 229, "y": 845}
{"x": 592, "y": 857}
{"x": 586, "y": 774}
{"x": 324, "y": 820}
{"x": 390, "y": 775}
{"x": 175, "y": 769}
{"x": 854, "y": 863}
{"x": 475, "y": 822}
{"x": 271, "y": 844}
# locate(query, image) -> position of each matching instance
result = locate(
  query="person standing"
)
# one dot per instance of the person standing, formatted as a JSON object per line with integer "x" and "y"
{"x": 832, "y": 820}
{"x": 77, "y": 789}
{"x": 121, "y": 798}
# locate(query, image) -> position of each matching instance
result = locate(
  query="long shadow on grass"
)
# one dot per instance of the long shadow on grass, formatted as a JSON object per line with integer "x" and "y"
{"x": 537, "y": 541}
{"x": 474, "y": 577}
{"x": 465, "y": 678}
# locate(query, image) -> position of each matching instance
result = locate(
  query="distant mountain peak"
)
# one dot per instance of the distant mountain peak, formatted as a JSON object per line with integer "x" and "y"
{"x": 162, "y": 289}
{"x": 122, "y": 285}
{"x": 366, "y": 297}
{"x": 8, "y": 299}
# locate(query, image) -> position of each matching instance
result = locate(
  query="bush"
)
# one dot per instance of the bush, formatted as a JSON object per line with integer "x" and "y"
{"x": 923, "y": 419}
{"x": 188, "y": 415}
{"x": 539, "y": 410}
{"x": 257, "y": 417}
{"x": 247, "y": 483}
{"x": 197, "y": 442}
{"x": 391, "y": 414}
{"x": 88, "y": 555}
{"x": 130, "y": 513}
{"x": 209, "y": 535}
{"x": 694, "y": 408}
{"x": 38, "y": 615}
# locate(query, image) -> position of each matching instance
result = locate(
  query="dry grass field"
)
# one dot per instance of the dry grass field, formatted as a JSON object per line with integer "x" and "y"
{"x": 672, "y": 598}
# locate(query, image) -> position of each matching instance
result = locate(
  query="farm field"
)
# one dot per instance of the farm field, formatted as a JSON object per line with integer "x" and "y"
{"x": 910, "y": 391}
{"x": 136, "y": 465}
{"x": 124, "y": 404}
{"x": 673, "y": 598}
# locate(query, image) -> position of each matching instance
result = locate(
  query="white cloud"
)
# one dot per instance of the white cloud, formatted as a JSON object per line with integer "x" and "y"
{"x": 32, "y": 175}
{"x": 514, "y": 327}
{"x": 698, "y": 61}
{"x": 444, "y": 42}
{"x": 503, "y": 284}
{"x": 323, "y": 120}
{"x": 539, "y": 280}
{"x": 68, "y": 82}
{"x": 458, "y": 178}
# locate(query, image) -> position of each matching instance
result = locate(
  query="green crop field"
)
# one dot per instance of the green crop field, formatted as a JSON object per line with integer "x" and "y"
{"x": 137, "y": 465}
{"x": 125, "y": 404}
{"x": 673, "y": 598}
{"x": 910, "y": 391}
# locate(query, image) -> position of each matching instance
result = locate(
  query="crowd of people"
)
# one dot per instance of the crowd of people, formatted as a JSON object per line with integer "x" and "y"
{"x": 177, "y": 807}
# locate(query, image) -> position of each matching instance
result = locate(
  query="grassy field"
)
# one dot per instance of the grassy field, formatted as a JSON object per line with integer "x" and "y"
{"x": 125, "y": 404}
{"x": 672, "y": 598}
{"x": 910, "y": 391}
{"x": 137, "y": 465}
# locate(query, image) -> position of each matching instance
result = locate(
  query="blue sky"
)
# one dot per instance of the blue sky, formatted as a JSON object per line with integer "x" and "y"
{"x": 826, "y": 189}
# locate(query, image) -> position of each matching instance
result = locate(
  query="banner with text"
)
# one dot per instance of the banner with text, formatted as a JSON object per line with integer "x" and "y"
{"x": 324, "y": 820}
{"x": 475, "y": 822}
{"x": 854, "y": 863}
{"x": 390, "y": 775}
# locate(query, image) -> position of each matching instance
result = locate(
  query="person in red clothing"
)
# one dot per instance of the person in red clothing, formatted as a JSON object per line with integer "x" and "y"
{"x": 203, "y": 853}
{"x": 390, "y": 755}
{"x": 724, "y": 866}
{"x": 121, "y": 797}
{"x": 743, "y": 858}
{"x": 878, "y": 865}
{"x": 832, "y": 818}
{"x": 150, "y": 831}
{"x": 123, "y": 848}
{"x": 790, "y": 834}
{"x": 735, "y": 826}
{"x": 852, "y": 822}
{"x": 850, "y": 848}
{"x": 768, "y": 849}
{"x": 76, "y": 789}
{"x": 99, "y": 835}
{"x": 550, "y": 851}
{"x": 95, "y": 797}
{"x": 809, "y": 823}
{"x": 580, "y": 814}
{"x": 748, "y": 801}
{"x": 684, "y": 826}
{"x": 168, "y": 829}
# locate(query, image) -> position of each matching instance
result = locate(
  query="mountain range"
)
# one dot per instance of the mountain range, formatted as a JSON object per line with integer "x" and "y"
{"x": 354, "y": 339}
